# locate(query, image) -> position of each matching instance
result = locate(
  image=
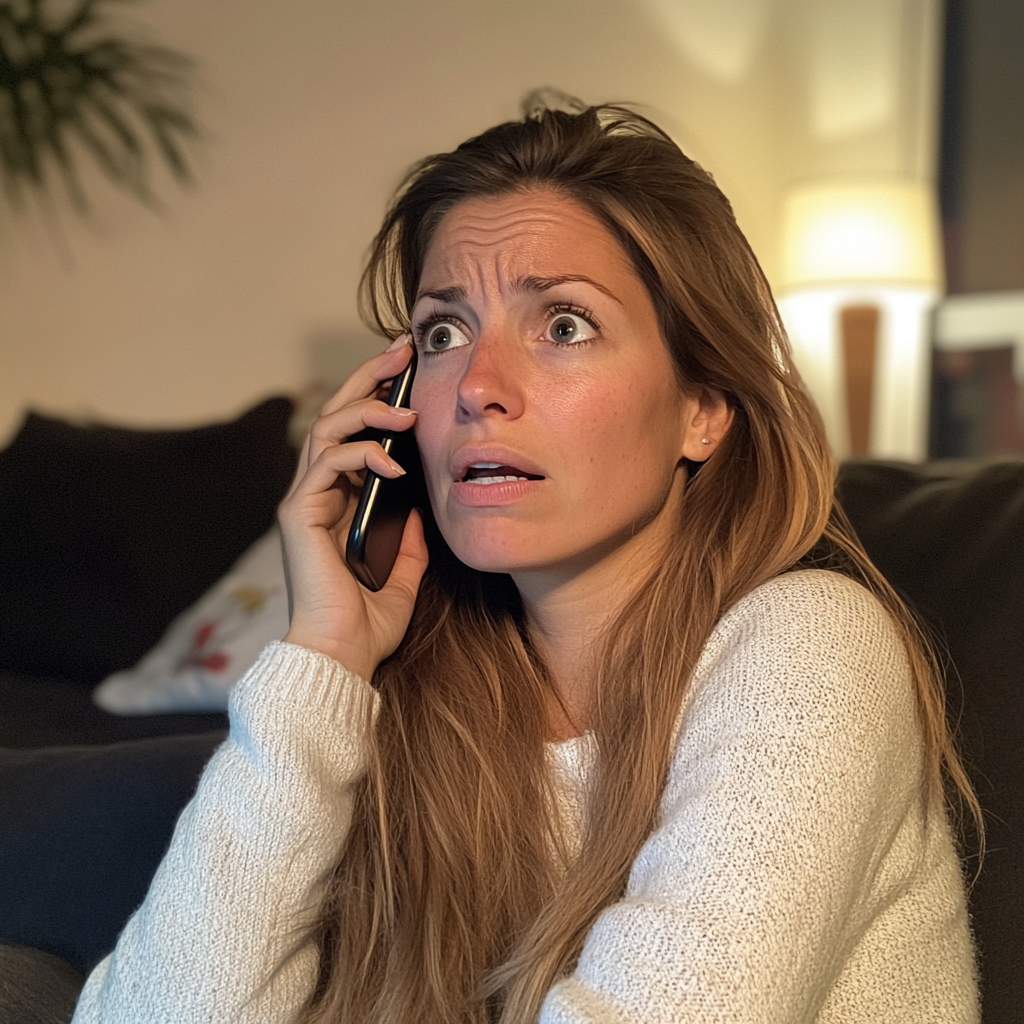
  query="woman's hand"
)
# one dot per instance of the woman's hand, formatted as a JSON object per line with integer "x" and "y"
{"x": 331, "y": 611}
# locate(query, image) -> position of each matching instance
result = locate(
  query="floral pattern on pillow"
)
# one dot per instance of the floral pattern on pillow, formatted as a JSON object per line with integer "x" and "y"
{"x": 210, "y": 645}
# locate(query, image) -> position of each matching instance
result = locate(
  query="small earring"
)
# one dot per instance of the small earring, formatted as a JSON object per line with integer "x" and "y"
{"x": 705, "y": 440}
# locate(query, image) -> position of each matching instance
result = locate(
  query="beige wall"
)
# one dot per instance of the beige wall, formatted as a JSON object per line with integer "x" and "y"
{"x": 988, "y": 209}
{"x": 314, "y": 108}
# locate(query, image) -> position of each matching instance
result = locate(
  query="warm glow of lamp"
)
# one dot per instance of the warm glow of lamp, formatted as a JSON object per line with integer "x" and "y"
{"x": 881, "y": 232}
{"x": 860, "y": 272}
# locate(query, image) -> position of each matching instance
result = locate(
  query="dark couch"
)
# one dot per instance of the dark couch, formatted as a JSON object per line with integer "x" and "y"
{"x": 88, "y": 801}
{"x": 105, "y": 535}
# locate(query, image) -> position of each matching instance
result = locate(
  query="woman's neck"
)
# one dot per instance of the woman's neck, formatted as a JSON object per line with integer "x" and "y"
{"x": 570, "y": 609}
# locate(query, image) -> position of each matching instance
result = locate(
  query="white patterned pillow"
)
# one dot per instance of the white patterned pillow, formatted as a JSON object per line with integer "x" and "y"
{"x": 209, "y": 646}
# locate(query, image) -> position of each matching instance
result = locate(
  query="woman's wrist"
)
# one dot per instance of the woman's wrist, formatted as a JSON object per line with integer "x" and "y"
{"x": 356, "y": 661}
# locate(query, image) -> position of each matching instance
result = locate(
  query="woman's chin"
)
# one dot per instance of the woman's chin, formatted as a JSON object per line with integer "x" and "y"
{"x": 486, "y": 560}
{"x": 489, "y": 550}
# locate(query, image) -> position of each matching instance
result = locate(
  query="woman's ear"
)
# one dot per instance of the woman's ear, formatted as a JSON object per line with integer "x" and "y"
{"x": 708, "y": 418}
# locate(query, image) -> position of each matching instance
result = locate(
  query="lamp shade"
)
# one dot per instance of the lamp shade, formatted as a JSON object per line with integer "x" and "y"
{"x": 877, "y": 231}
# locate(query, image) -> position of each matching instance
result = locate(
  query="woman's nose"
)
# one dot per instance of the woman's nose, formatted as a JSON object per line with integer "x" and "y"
{"x": 491, "y": 383}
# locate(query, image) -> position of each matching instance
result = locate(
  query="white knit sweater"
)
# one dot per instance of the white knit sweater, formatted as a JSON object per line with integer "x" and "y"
{"x": 796, "y": 873}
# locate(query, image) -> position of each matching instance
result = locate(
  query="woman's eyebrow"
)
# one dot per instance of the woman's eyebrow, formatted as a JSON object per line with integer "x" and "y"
{"x": 540, "y": 284}
{"x": 453, "y": 294}
{"x": 529, "y": 283}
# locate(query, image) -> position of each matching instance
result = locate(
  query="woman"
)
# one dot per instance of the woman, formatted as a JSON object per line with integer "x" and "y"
{"x": 618, "y": 762}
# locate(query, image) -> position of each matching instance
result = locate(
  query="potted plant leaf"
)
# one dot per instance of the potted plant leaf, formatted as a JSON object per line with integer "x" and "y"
{"x": 75, "y": 86}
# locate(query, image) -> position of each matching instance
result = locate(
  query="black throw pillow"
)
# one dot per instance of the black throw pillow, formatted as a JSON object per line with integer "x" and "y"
{"x": 107, "y": 533}
{"x": 82, "y": 830}
{"x": 950, "y": 537}
{"x": 36, "y": 987}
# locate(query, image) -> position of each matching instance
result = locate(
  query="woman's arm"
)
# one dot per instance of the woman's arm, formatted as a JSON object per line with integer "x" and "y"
{"x": 248, "y": 854}
{"x": 218, "y": 938}
{"x": 797, "y": 874}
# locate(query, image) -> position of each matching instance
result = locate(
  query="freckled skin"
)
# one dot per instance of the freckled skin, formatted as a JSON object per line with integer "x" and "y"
{"x": 605, "y": 421}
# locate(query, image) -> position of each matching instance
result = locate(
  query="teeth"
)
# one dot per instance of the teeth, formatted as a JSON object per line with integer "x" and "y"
{"x": 485, "y": 465}
{"x": 493, "y": 479}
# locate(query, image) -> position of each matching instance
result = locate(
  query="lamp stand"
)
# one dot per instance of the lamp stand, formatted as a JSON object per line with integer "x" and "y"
{"x": 859, "y": 332}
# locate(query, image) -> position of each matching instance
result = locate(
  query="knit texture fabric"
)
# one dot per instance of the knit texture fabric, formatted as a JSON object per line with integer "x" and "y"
{"x": 797, "y": 873}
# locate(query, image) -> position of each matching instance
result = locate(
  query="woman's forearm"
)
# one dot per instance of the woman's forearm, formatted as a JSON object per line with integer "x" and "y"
{"x": 219, "y": 936}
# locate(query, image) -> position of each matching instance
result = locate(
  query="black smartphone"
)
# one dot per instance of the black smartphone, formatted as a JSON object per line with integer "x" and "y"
{"x": 385, "y": 503}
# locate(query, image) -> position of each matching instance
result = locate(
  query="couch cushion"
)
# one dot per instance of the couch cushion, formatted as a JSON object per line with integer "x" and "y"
{"x": 82, "y": 830}
{"x": 107, "y": 533}
{"x": 950, "y": 537}
{"x": 42, "y": 712}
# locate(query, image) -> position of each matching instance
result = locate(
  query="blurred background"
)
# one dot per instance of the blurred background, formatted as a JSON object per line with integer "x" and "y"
{"x": 873, "y": 151}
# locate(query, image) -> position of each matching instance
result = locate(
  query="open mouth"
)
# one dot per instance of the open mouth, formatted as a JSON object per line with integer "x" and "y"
{"x": 495, "y": 473}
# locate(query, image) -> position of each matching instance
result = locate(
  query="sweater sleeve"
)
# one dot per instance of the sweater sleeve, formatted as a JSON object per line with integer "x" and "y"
{"x": 793, "y": 832}
{"x": 217, "y": 937}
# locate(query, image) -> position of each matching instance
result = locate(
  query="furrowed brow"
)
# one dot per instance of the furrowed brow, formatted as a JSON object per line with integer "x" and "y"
{"x": 542, "y": 284}
{"x": 450, "y": 295}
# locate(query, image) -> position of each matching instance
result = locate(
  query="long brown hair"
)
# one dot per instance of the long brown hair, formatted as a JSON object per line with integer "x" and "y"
{"x": 454, "y": 898}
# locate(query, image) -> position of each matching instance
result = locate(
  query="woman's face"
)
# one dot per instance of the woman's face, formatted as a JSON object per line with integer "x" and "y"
{"x": 550, "y": 422}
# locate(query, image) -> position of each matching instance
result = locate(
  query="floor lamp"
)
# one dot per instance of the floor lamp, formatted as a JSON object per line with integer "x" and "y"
{"x": 860, "y": 274}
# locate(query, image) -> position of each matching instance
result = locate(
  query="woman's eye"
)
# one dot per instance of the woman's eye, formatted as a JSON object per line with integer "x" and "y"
{"x": 567, "y": 328}
{"x": 441, "y": 337}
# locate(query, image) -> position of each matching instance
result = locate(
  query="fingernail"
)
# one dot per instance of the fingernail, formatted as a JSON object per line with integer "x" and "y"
{"x": 402, "y": 411}
{"x": 400, "y": 342}
{"x": 397, "y": 468}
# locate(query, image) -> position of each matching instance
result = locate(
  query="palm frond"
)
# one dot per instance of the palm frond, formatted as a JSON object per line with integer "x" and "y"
{"x": 71, "y": 86}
